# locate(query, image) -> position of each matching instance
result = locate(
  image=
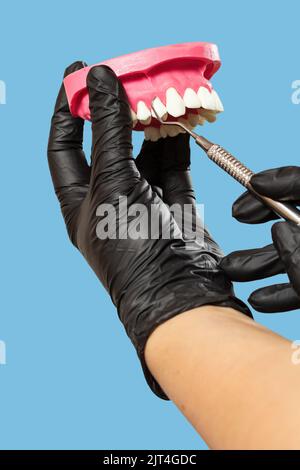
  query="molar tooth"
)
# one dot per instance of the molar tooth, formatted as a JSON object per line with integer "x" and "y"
{"x": 174, "y": 103}
{"x": 147, "y": 133}
{"x": 163, "y": 131}
{"x": 218, "y": 103}
{"x": 153, "y": 133}
{"x": 201, "y": 120}
{"x": 193, "y": 119}
{"x": 173, "y": 130}
{"x": 156, "y": 134}
{"x": 186, "y": 123}
{"x": 209, "y": 115}
{"x": 160, "y": 108}
{"x": 206, "y": 98}
{"x": 191, "y": 99}
{"x": 133, "y": 117}
{"x": 143, "y": 113}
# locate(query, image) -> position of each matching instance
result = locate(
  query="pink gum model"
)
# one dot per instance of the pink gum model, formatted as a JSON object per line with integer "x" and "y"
{"x": 150, "y": 73}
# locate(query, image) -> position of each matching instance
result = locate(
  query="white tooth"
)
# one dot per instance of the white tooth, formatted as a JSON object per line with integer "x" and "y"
{"x": 143, "y": 113}
{"x": 164, "y": 117}
{"x": 191, "y": 99}
{"x": 146, "y": 122}
{"x": 193, "y": 119}
{"x": 147, "y": 133}
{"x": 160, "y": 108}
{"x": 206, "y": 99}
{"x": 153, "y": 133}
{"x": 218, "y": 103}
{"x": 209, "y": 115}
{"x": 133, "y": 117}
{"x": 174, "y": 103}
{"x": 163, "y": 131}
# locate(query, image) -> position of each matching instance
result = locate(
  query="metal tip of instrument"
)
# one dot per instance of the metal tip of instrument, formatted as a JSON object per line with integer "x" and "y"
{"x": 201, "y": 141}
{"x": 170, "y": 123}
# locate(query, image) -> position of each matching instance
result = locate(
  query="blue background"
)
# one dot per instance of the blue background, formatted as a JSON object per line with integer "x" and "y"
{"x": 72, "y": 379}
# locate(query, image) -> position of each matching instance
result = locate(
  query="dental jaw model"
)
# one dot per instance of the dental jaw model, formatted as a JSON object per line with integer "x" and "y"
{"x": 169, "y": 92}
{"x": 174, "y": 80}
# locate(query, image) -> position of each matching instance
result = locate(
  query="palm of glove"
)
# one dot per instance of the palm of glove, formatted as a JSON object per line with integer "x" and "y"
{"x": 283, "y": 256}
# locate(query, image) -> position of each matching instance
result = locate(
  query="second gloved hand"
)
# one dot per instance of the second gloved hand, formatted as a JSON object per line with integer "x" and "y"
{"x": 283, "y": 256}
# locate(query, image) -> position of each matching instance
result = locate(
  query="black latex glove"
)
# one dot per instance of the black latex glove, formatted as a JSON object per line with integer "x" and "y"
{"x": 152, "y": 279}
{"x": 283, "y": 256}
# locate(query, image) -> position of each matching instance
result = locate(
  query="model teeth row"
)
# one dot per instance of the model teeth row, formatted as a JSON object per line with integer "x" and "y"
{"x": 205, "y": 104}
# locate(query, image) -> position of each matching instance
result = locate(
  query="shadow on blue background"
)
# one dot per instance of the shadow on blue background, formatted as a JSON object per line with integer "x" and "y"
{"x": 72, "y": 379}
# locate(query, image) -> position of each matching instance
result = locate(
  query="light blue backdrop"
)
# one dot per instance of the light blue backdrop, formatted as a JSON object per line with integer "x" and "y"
{"x": 72, "y": 379}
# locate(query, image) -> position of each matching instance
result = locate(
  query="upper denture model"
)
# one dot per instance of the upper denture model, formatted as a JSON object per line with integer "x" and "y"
{"x": 177, "y": 79}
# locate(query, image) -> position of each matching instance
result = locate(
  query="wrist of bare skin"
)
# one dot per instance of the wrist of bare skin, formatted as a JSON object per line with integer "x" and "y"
{"x": 232, "y": 378}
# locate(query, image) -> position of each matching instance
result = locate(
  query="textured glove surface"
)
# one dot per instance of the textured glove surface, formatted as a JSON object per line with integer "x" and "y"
{"x": 283, "y": 256}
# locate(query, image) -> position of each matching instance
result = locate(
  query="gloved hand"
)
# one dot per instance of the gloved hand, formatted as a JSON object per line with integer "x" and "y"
{"x": 149, "y": 278}
{"x": 283, "y": 256}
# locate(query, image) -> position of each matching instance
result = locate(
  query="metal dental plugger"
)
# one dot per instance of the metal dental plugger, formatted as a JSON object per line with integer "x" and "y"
{"x": 237, "y": 170}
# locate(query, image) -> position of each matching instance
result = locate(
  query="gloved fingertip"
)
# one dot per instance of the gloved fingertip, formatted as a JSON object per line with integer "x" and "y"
{"x": 104, "y": 75}
{"x": 279, "y": 229}
{"x": 235, "y": 210}
{"x": 77, "y": 65}
{"x": 268, "y": 182}
{"x": 254, "y": 301}
{"x": 262, "y": 302}
{"x": 258, "y": 180}
{"x": 231, "y": 265}
{"x": 249, "y": 210}
{"x": 238, "y": 207}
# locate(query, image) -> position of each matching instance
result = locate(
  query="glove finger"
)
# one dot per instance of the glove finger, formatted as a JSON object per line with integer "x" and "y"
{"x": 176, "y": 153}
{"x": 68, "y": 166}
{"x": 113, "y": 167}
{"x": 148, "y": 163}
{"x": 286, "y": 238}
{"x": 249, "y": 210}
{"x": 251, "y": 265}
{"x": 66, "y": 158}
{"x": 179, "y": 194}
{"x": 276, "y": 298}
{"x": 279, "y": 183}
{"x": 177, "y": 187}
{"x": 175, "y": 171}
